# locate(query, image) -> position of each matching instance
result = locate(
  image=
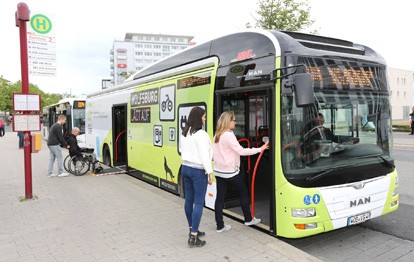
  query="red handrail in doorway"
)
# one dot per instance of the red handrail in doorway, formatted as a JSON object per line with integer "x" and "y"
{"x": 253, "y": 180}
{"x": 116, "y": 145}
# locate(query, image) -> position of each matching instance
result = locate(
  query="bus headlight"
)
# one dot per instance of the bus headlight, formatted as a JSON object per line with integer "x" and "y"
{"x": 303, "y": 212}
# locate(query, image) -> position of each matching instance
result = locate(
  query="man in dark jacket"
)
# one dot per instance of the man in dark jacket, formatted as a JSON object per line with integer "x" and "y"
{"x": 74, "y": 149}
{"x": 54, "y": 142}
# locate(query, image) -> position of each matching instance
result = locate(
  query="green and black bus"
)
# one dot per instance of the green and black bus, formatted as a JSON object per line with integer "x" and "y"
{"x": 278, "y": 84}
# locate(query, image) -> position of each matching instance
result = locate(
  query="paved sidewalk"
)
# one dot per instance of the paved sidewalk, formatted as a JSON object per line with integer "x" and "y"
{"x": 111, "y": 218}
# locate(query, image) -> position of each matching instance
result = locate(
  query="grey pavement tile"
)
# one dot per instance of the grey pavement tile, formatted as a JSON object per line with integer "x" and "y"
{"x": 246, "y": 253}
{"x": 372, "y": 240}
{"x": 262, "y": 258}
{"x": 25, "y": 250}
{"x": 359, "y": 257}
{"x": 8, "y": 248}
{"x": 409, "y": 257}
{"x": 397, "y": 252}
{"x": 29, "y": 258}
{"x": 286, "y": 259}
{"x": 274, "y": 253}
{"x": 228, "y": 258}
{"x": 76, "y": 257}
{"x": 9, "y": 256}
{"x": 384, "y": 247}
{"x": 229, "y": 251}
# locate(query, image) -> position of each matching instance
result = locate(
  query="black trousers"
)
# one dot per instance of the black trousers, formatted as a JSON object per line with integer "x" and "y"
{"x": 238, "y": 183}
{"x": 412, "y": 127}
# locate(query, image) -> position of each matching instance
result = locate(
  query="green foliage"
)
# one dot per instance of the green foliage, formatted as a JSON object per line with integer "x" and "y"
{"x": 401, "y": 128}
{"x": 288, "y": 15}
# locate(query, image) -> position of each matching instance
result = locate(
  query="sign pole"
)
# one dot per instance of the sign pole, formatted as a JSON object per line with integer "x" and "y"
{"x": 22, "y": 16}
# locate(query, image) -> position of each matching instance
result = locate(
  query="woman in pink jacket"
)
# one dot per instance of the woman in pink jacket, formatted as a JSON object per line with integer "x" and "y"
{"x": 226, "y": 156}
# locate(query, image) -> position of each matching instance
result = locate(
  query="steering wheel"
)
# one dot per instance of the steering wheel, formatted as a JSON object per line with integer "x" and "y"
{"x": 317, "y": 129}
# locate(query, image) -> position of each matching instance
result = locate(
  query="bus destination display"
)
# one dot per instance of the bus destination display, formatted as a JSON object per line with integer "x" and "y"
{"x": 78, "y": 104}
{"x": 333, "y": 76}
{"x": 193, "y": 81}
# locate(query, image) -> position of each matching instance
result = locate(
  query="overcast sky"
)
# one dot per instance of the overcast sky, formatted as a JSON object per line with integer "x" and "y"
{"x": 85, "y": 31}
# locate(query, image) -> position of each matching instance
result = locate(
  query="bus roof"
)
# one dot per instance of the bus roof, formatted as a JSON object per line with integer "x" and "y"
{"x": 236, "y": 47}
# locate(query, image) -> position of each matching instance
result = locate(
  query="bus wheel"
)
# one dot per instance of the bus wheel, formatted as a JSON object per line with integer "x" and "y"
{"x": 181, "y": 189}
{"x": 107, "y": 157}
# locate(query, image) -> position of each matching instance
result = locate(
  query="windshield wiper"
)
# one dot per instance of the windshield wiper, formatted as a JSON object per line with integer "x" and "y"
{"x": 320, "y": 175}
{"x": 325, "y": 173}
{"x": 387, "y": 163}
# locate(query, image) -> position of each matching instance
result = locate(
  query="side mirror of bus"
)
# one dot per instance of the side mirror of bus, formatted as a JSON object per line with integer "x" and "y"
{"x": 303, "y": 86}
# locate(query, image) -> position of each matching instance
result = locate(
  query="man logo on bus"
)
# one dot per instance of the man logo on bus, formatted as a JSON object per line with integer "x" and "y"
{"x": 361, "y": 201}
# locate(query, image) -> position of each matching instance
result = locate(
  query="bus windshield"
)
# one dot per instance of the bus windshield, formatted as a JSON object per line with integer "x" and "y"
{"x": 344, "y": 137}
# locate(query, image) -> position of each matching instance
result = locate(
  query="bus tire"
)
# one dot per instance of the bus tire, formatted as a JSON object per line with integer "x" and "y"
{"x": 106, "y": 156}
{"x": 181, "y": 189}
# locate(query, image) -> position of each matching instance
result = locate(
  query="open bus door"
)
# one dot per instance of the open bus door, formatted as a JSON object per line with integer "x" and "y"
{"x": 119, "y": 124}
{"x": 253, "y": 113}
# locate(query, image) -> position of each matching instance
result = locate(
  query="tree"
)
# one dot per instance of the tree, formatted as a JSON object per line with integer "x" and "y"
{"x": 288, "y": 15}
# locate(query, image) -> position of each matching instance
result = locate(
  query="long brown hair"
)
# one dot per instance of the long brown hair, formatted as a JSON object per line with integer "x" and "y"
{"x": 223, "y": 124}
{"x": 194, "y": 121}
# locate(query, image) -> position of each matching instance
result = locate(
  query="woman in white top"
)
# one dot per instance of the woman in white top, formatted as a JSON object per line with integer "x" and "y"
{"x": 196, "y": 154}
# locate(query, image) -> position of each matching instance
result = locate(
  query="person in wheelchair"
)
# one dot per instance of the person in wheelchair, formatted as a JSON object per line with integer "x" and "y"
{"x": 74, "y": 149}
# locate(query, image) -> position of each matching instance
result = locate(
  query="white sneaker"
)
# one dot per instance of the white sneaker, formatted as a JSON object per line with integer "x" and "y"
{"x": 63, "y": 175}
{"x": 225, "y": 228}
{"x": 51, "y": 175}
{"x": 254, "y": 221}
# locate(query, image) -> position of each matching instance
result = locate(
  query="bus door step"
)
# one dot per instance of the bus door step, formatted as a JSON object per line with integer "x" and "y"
{"x": 110, "y": 171}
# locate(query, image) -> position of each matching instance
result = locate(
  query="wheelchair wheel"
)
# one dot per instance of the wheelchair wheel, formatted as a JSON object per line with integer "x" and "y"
{"x": 79, "y": 165}
{"x": 66, "y": 163}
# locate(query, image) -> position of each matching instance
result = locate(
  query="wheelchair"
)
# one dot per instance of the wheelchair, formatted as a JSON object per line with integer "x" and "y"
{"x": 80, "y": 164}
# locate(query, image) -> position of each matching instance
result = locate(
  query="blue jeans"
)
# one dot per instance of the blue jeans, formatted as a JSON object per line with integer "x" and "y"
{"x": 239, "y": 184}
{"x": 55, "y": 153}
{"x": 195, "y": 184}
{"x": 21, "y": 139}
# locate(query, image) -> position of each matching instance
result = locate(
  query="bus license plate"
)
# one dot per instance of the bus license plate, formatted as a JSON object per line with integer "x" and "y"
{"x": 359, "y": 218}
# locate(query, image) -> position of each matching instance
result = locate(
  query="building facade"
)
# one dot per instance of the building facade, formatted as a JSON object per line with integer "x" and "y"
{"x": 138, "y": 50}
{"x": 402, "y": 93}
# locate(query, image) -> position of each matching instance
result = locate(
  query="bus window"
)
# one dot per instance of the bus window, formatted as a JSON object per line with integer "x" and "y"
{"x": 79, "y": 119}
